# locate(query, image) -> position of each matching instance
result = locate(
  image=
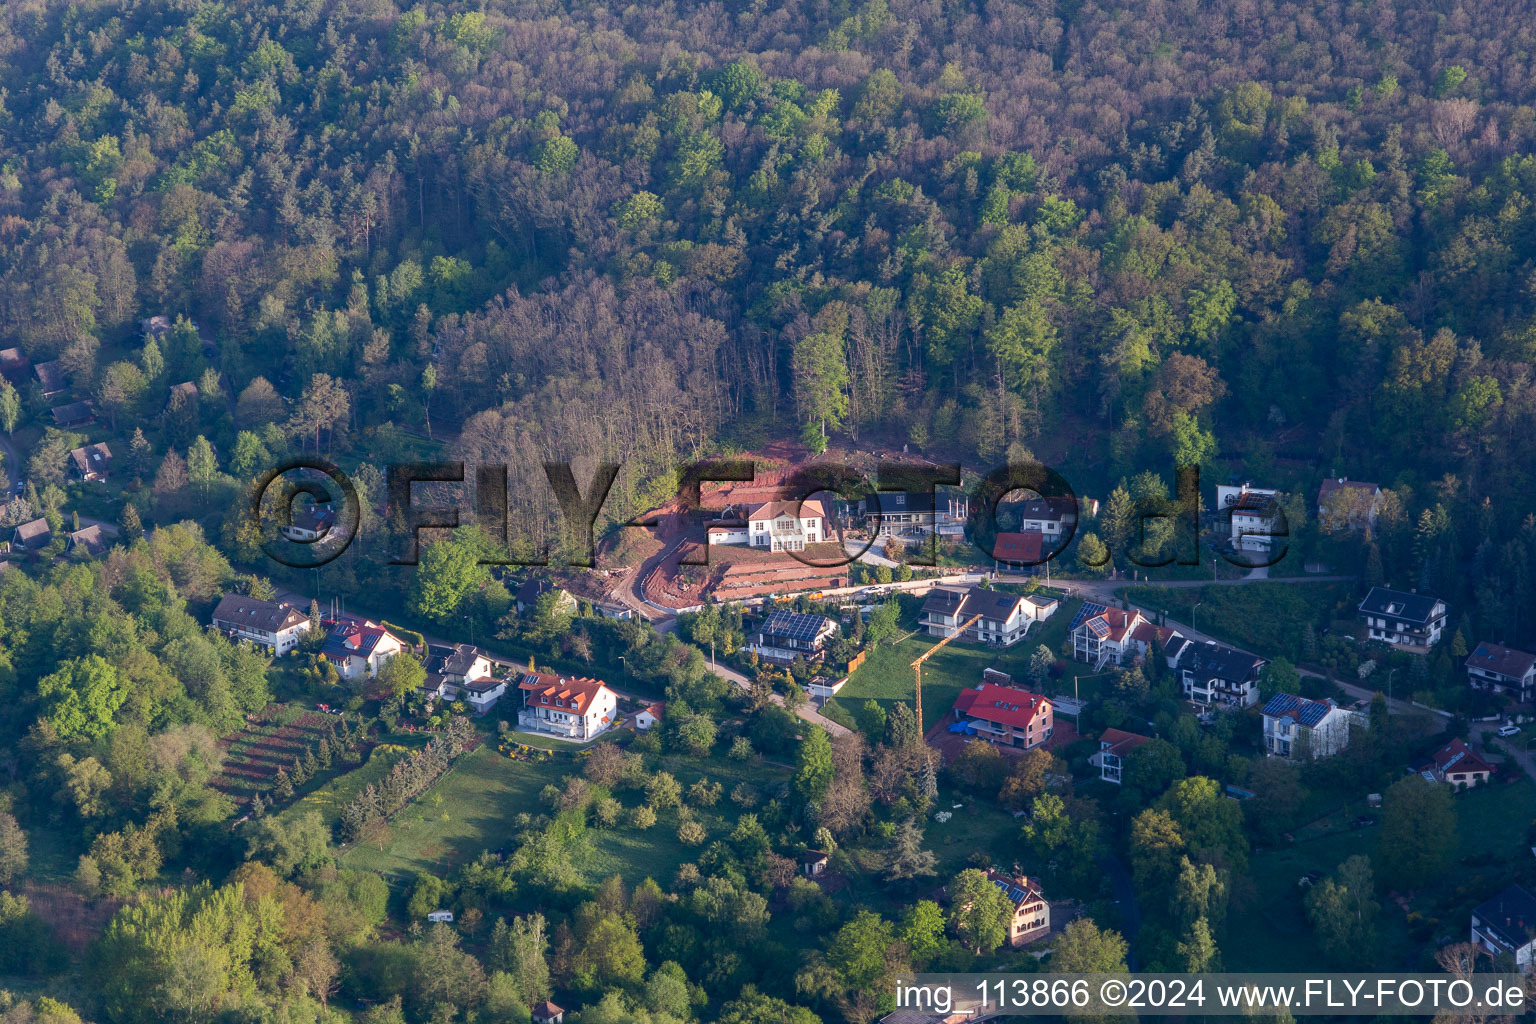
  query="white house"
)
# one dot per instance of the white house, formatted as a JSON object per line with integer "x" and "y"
{"x": 532, "y": 589}
{"x": 785, "y": 635}
{"x": 1507, "y": 924}
{"x": 310, "y": 523}
{"x": 1005, "y": 618}
{"x": 1114, "y": 636}
{"x": 773, "y": 525}
{"x": 1212, "y": 673}
{"x": 1114, "y": 746}
{"x": 267, "y": 623}
{"x": 1031, "y": 917}
{"x": 915, "y": 513}
{"x": 1050, "y": 516}
{"x": 1503, "y": 670}
{"x": 1256, "y": 519}
{"x": 1409, "y": 621}
{"x": 461, "y": 672}
{"x": 649, "y": 717}
{"x": 574, "y": 709}
{"x": 444, "y": 916}
{"x": 1299, "y": 727}
{"x": 360, "y": 649}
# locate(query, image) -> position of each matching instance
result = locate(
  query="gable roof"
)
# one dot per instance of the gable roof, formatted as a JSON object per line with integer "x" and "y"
{"x": 91, "y": 538}
{"x": 456, "y": 660}
{"x": 1335, "y": 484}
{"x": 1506, "y": 661}
{"x": 92, "y": 458}
{"x": 1406, "y": 607}
{"x": 186, "y": 387}
{"x": 1119, "y": 742}
{"x": 534, "y": 588}
{"x": 887, "y": 503}
{"x": 1018, "y": 891}
{"x": 810, "y": 509}
{"x": 1019, "y": 547}
{"x": 1001, "y": 705}
{"x": 72, "y": 413}
{"x": 574, "y": 694}
{"x": 1457, "y": 756}
{"x": 13, "y": 361}
{"x": 1113, "y": 624}
{"x": 1051, "y": 510}
{"x": 238, "y": 609}
{"x": 51, "y": 376}
{"x": 33, "y": 535}
{"x": 1220, "y": 661}
{"x": 354, "y": 640}
{"x": 1509, "y": 917}
{"x": 794, "y": 625}
{"x": 1299, "y": 709}
{"x": 964, "y": 602}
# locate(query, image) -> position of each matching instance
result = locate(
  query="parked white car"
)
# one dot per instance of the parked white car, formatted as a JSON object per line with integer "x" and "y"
{"x": 1509, "y": 730}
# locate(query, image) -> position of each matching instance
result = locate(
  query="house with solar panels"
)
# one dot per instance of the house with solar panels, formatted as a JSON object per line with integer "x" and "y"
{"x": 359, "y": 649}
{"x": 1409, "y": 621}
{"x": 1297, "y": 727}
{"x": 1031, "y": 913}
{"x": 1005, "y": 618}
{"x": 1456, "y": 765}
{"x": 1254, "y": 516}
{"x": 785, "y": 635}
{"x": 1115, "y": 636}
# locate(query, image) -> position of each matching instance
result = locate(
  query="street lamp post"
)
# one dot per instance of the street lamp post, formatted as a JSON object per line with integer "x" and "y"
{"x": 1192, "y": 611}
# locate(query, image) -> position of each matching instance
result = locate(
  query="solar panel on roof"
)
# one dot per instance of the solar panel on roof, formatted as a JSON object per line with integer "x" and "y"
{"x": 1016, "y": 894}
{"x": 1098, "y": 627}
{"x": 1087, "y": 611}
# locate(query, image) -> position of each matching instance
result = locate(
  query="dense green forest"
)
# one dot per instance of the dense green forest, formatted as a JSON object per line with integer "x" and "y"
{"x": 1279, "y": 241}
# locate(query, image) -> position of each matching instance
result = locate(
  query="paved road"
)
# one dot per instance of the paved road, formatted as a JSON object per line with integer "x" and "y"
{"x": 806, "y": 711}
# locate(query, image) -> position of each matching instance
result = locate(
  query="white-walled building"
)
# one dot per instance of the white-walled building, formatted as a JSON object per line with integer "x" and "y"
{"x": 1298, "y": 727}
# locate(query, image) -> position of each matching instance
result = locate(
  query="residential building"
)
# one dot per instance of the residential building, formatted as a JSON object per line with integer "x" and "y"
{"x": 360, "y": 649}
{"x": 548, "y": 1013}
{"x": 1051, "y": 517}
{"x": 1297, "y": 727}
{"x": 310, "y": 522}
{"x": 1005, "y": 617}
{"x": 32, "y": 536}
{"x": 1114, "y": 636}
{"x": 772, "y": 525}
{"x": 1213, "y": 673}
{"x": 440, "y": 917}
{"x": 1503, "y": 670}
{"x": 784, "y": 635}
{"x": 72, "y": 414}
{"x": 813, "y": 863}
{"x": 1006, "y": 715}
{"x": 1031, "y": 913}
{"x": 1507, "y": 924}
{"x": 92, "y": 462}
{"x": 1345, "y": 504}
{"x": 1410, "y": 621}
{"x": 649, "y": 716}
{"x": 462, "y": 672}
{"x": 88, "y": 541}
{"x": 572, "y": 708}
{"x": 1457, "y": 765}
{"x": 915, "y": 513}
{"x": 51, "y": 378}
{"x": 1114, "y": 745}
{"x": 612, "y": 608}
{"x": 267, "y": 623}
{"x": 532, "y": 589}
{"x": 1021, "y": 550}
{"x": 1255, "y": 516}
{"x": 181, "y": 393}
{"x": 14, "y": 365}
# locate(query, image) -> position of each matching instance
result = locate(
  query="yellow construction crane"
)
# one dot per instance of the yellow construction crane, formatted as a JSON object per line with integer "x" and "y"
{"x": 917, "y": 667}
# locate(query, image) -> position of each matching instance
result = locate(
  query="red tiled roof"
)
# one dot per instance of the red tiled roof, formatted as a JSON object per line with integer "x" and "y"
{"x": 1002, "y": 705}
{"x": 1146, "y": 632}
{"x": 1019, "y": 890}
{"x": 1121, "y": 742}
{"x": 656, "y": 709}
{"x": 1457, "y": 756}
{"x": 574, "y": 694}
{"x": 1506, "y": 661}
{"x": 1019, "y": 547}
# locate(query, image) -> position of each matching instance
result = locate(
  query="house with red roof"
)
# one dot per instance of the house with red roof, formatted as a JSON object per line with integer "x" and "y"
{"x": 1114, "y": 745}
{"x": 569, "y": 707}
{"x": 1456, "y": 764}
{"x": 649, "y": 717}
{"x": 1115, "y": 636}
{"x": 1502, "y": 670}
{"x": 1006, "y": 715}
{"x": 359, "y": 649}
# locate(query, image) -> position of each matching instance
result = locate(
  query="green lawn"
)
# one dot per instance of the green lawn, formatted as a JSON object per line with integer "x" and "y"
{"x": 1491, "y": 824}
{"x": 1262, "y": 617}
{"x": 886, "y": 675}
{"x": 471, "y": 810}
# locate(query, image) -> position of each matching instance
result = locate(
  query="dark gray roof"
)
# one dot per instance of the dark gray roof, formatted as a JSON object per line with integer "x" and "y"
{"x": 35, "y": 534}
{"x": 968, "y": 601}
{"x": 1510, "y": 916}
{"x": 793, "y": 625}
{"x": 1506, "y": 661}
{"x": 456, "y": 660}
{"x": 237, "y": 609}
{"x": 1402, "y": 606}
{"x": 1220, "y": 661}
{"x": 1307, "y": 712}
